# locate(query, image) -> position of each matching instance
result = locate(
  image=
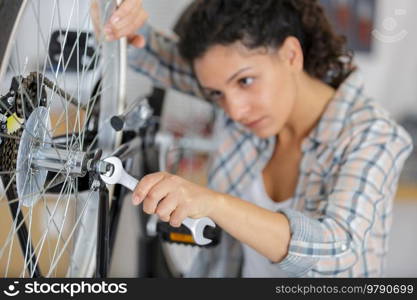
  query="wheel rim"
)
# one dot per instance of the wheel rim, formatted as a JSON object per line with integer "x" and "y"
{"x": 61, "y": 228}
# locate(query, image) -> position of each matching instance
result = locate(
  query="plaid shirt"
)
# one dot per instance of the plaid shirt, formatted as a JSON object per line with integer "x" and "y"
{"x": 341, "y": 213}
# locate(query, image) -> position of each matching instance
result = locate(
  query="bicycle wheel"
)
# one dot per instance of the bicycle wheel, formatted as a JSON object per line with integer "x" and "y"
{"x": 59, "y": 85}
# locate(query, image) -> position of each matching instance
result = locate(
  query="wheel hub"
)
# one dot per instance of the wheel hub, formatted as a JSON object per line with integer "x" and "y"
{"x": 30, "y": 181}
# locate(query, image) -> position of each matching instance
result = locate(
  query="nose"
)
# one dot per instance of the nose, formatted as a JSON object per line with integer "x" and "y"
{"x": 237, "y": 109}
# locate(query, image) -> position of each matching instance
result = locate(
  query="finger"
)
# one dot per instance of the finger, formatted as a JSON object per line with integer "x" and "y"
{"x": 112, "y": 30}
{"x": 127, "y": 26}
{"x": 95, "y": 17}
{"x": 130, "y": 25}
{"x": 124, "y": 21}
{"x": 145, "y": 185}
{"x": 138, "y": 22}
{"x": 159, "y": 191}
{"x": 177, "y": 217}
{"x": 125, "y": 9}
{"x": 137, "y": 41}
{"x": 166, "y": 207}
{"x": 121, "y": 17}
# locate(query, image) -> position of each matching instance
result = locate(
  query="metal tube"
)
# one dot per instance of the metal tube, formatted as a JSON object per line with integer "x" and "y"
{"x": 52, "y": 159}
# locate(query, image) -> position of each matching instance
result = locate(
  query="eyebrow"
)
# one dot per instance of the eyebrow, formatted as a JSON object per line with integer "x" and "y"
{"x": 237, "y": 74}
{"x": 231, "y": 77}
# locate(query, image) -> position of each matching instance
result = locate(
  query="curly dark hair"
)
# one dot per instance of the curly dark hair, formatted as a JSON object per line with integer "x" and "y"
{"x": 267, "y": 23}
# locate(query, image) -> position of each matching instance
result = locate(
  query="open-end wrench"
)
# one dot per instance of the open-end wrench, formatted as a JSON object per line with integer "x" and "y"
{"x": 120, "y": 176}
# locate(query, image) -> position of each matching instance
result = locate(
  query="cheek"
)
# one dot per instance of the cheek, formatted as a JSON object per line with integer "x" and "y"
{"x": 278, "y": 96}
{"x": 282, "y": 110}
{"x": 281, "y": 101}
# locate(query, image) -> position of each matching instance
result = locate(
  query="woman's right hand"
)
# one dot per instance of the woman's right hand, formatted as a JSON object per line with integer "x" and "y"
{"x": 126, "y": 21}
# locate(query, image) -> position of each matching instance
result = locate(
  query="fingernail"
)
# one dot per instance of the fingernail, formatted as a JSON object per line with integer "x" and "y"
{"x": 109, "y": 37}
{"x": 141, "y": 44}
{"x": 114, "y": 20}
{"x": 175, "y": 224}
{"x": 107, "y": 29}
{"x": 136, "y": 199}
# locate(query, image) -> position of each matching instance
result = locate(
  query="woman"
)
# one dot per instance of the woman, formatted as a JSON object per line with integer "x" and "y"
{"x": 307, "y": 166}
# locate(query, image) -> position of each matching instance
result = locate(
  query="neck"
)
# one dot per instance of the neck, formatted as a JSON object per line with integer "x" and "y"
{"x": 311, "y": 101}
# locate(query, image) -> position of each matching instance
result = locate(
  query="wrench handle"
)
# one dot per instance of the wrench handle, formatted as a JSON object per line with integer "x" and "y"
{"x": 129, "y": 181}
{"x": 196, "y": 226}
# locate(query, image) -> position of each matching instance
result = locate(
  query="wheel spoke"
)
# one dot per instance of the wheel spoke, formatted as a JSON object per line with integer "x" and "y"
{"x": 66, "y": 75}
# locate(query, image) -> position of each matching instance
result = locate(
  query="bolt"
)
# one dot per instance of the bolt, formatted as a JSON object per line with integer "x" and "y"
{"x": 100, "y": 166}
{"x": 71, "y": 162}
{"x": 96, "y": 184}
{"x": 109, "y": 169}
{"x": 10, "y": 100}
{"x": 103, "y": 167}
{"x": 145, "y": 110}
{"x": 3, "y": 118}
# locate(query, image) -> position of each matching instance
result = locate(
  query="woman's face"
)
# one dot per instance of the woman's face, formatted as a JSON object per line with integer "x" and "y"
{"x": 255, "y": 88}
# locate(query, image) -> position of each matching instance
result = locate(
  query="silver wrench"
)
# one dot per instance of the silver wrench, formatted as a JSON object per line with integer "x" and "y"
{"x": 120, "y": 176}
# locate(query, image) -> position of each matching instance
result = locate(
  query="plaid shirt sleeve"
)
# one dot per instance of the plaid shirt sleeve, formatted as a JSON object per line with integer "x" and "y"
{"x": 160, "y": 61}
{"x": 330, "y": 242}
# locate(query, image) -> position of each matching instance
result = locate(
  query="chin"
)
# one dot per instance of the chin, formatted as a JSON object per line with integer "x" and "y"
{"x": 265, "y": 133}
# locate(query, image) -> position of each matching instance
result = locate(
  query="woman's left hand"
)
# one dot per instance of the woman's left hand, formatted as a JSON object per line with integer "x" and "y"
{"x": 173, "y": 198}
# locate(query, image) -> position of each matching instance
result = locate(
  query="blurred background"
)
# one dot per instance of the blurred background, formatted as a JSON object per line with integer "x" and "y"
{"x": 383, "y": 36}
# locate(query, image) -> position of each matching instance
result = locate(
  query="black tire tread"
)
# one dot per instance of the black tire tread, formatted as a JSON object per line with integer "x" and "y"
{"x": 9, "y": 10}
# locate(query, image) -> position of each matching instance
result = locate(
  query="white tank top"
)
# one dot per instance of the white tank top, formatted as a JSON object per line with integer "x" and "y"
{"x": 255, "y": 264}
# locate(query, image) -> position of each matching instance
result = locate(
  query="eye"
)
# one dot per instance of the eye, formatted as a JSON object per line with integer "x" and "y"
{"x": 214, "y": 96}
{"x": 247, "y": 81}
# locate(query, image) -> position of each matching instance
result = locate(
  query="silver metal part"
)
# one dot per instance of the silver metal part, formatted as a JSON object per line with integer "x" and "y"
{"x": 152, "y": 226}
{"x": 104, "y": 167}
{"x": 100, "y": 166}
{"x": 135, "y": 116}
{"x": 59, "y": 160}
{"x": 10, "y": 100}
{"x": 3, "y": 118}
{"x": 95, "y": 185}
{"x": 36, "y": 156}
{"x": 144, "y": 112}
{"x": 30, "y": 181}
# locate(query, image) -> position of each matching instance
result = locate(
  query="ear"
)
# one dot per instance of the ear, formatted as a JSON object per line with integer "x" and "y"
{"x": 291, "y": 53}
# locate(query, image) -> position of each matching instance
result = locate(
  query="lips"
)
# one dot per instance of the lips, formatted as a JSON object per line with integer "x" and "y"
{"x": 254, "y": 123}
